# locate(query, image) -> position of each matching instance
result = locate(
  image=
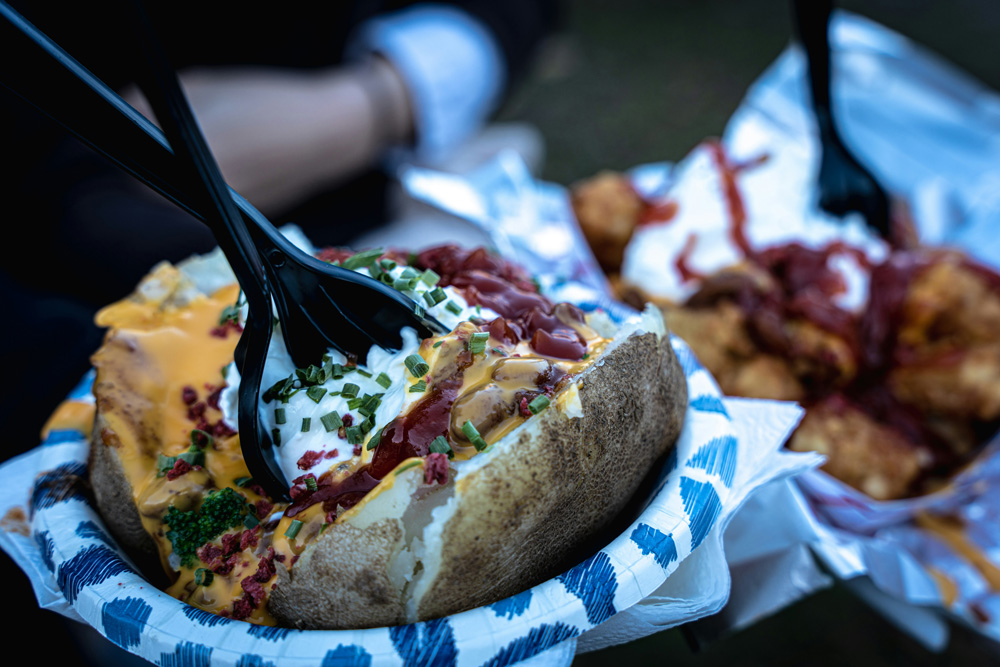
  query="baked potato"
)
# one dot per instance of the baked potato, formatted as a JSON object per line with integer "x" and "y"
{"x": 537, "y": 452}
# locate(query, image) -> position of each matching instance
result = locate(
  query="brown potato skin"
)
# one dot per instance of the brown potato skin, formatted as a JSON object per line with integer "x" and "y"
{"x": 535, "y": 503}
{"x": 313, "y": 594}
{"x": 520, "y": 516}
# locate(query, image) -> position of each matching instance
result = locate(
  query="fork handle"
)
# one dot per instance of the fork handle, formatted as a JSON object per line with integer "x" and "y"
{"x": 812, "y": 24}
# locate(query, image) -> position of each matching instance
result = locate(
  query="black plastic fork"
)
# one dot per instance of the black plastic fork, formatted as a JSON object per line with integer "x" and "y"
{"x": 319, "y": 305}
{"x": 844, "y": 184}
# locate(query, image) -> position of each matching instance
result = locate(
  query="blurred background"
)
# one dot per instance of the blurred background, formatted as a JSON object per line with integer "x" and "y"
{"x": 633, "y": 81}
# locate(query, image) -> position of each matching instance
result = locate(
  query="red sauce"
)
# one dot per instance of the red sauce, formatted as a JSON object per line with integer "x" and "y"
{"x": 683, "y": 268}
{"x": 658, "y": 214}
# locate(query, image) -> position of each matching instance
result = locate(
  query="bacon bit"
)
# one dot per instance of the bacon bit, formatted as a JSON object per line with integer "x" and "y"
{"x": 342, "y": 433}
{"x": 242, "y": 608}
{"x": 309, "y": 460}
{"x": 331, "y": 516}
{"x": 181, "y": 467}
{"x": 230, "y": 543}
{"x": 299, "y": 486}
{"x": 280, "y": 558}
{"x": 357, "y": 450}
{"x": 222, "y": 430}
{"x": 258, "y": 489}
{"x": 253, "y": 589}
{"x": 523, "y": 407}
{"x": 348, "y": 420}
{"x": 227, "y": 566}
{"x": 197, "y": 411}
{"x": 979, "y": 612}
{"x": 248, "y": 539}
{"x": 265, "y": 567}
{"x": 213, "y": 397}
{"x": 189, "y": 395}
{"x": 223, "y": 330}
{"x": 209, "y": 553}
{"x": 263, "y": 508}
{"x": 658, "y": 213}
{"x": 436, "y": 469}
{"x": 332, "y": 454}
{"x": 292, "y": 562}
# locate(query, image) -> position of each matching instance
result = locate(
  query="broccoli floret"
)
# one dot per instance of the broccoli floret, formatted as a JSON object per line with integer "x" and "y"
{"x": 190, "y": 530}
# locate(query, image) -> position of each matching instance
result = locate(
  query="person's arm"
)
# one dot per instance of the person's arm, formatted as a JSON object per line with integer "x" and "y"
{"x": 280, "y": 135}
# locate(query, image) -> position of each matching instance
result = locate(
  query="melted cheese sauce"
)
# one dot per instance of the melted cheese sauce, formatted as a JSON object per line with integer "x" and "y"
{"x": 156, "y": 353}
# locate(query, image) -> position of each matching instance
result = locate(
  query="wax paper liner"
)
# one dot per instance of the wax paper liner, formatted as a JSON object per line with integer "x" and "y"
{"x": 931, "y": 135}
{"x": 77, "y": 569}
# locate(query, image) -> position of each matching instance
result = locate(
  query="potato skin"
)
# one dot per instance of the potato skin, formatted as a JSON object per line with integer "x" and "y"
{"x": 519, "y": 516}
{"x": 524, "y": 513}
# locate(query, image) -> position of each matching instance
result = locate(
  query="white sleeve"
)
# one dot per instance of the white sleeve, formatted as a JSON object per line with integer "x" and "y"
{"x": 452, "y": 67}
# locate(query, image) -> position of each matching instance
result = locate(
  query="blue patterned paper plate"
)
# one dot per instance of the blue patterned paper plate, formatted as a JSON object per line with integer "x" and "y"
{"x": 98, "y": 580}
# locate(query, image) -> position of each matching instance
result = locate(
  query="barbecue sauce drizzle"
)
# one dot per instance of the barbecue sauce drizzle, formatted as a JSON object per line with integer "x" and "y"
{"x": 525, "y": 315}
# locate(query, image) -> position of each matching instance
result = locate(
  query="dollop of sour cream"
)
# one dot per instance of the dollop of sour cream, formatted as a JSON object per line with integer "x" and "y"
{"x": 305, "y": 418}
{"x": 778, "y": 199}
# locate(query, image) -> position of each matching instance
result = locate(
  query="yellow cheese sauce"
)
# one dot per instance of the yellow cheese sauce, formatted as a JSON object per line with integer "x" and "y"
{"x": 156, "y": 373}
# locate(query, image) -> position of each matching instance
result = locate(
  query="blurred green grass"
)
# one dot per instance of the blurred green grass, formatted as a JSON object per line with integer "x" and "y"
{"x": 633, "y": 81}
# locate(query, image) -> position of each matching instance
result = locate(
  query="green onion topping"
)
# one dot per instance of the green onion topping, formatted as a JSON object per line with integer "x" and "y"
{"x": 362, "y": 259}
{"x": 416, "y": 365}
{"x": 315, "y": 393}
{"x": 311, "y": 483}
{"x": 439, "y": 445}
{"x": 477, "y": 342}
{"x": 453, "y": 307}
{"x": 409, "y": 465}
{"x": 538, "y": 404}
{"x": 473, "y": 435}
{"x": 331, "y": 421}
{"x": 279, "y": 416}
{"x": 418, "y": 387}
{"x": 293, "y": 529}
{"x": 306, "y": 423}
{"x": 203, "y": 577}
{"x": 384, "y": 380}
{"x": 350, "y": 390}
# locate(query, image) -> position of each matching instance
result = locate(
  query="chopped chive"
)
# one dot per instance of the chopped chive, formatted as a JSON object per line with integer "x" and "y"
{"x": 331, "y": 421}
{"x": 418, "y": 387}
{"x": 388, "y": 264}
{"x": 355, "y": 403}
{"x": 203, "y": 577}
{"x": 350, "y": 390}
{"x": 418, "y": 310}
{"x": 473, "y": 435}
{"x": 324, "y": 527}
{"x": 364, "y": 373}
{"x": 367, "y": 425}
{"x": 453, "y": 307}
{"x": 538, "y": 404}
{"x": 353, "y": 434}
{"x": 384, "y": 380}
{"x": 193, "y": 456}
{"x": 293, "y": 529}
{"x": 311, "y": 483}
{"x": 438, "y": 344}
{"x": 229, "y": 314}
{"x": 429, "y": 278}
{"x": 477, "y": 342}
{"x": 243, "y": 481}
{"x": 306, "y": 423}
{"x": 276, "y": 437}
{"x": 410, "y": 273}
{"x": 500, "y": 351}
{"x": 362, "y": 259}
{"x": 279, "y": 416}
{"x": 416, "y": 365}
{"x": 411, "y": 464}
{"x": 375, "y": 439}
{"x": 439, "y": 445}
{"x": 250, "y": 521}
{"x": 404, "y": 285}
{"x": 315, "y": 393}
